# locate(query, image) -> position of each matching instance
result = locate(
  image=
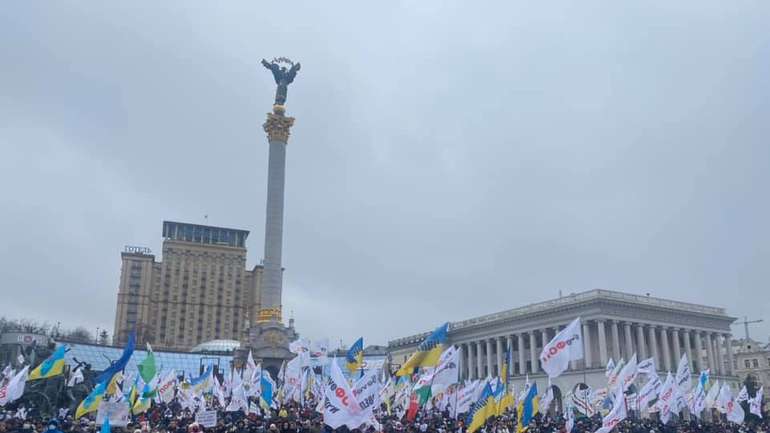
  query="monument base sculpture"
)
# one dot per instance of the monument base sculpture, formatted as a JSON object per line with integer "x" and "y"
{"x": 269, "y": 344}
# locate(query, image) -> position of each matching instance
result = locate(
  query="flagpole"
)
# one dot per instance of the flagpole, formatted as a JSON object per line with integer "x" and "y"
{"x": 456, "y": 392}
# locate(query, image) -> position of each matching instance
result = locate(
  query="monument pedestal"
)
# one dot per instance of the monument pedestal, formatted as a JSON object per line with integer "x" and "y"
{"x": 269, "y": 344}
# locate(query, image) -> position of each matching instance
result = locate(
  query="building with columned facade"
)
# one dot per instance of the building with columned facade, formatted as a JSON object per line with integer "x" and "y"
{"x": 615, "y": 325}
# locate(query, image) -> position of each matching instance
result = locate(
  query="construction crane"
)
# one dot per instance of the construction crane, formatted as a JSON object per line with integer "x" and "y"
{"x": 746, "y": 322}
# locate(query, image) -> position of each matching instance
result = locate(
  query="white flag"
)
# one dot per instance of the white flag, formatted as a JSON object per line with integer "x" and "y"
{"x": 612, "y": 379}
{"x": 219, "y": 393}
{"x": 546, "y": 399}
{"x": 743, "y": 395}
{"x": 610, "y": 368}
{"x": 735, "y": 412}
{"x": 466, "y": 396}
{"x": 14, "y": 388}
{"x": 167, "y": 387}
{"x": 628, "y": 374}
{"x": 684, "y": 374}
{"x": 238, "y": 400}
{"x": 711, "y": 396}
{"x": 570, "y": 421}
{"x": 340, "y": 405}
{"x": 698, "y": 402}
{"x": 616, "y": 415}
{"x": 650, "y": 391}
{"x": 724, "y": 399}
{"x": 755, "y": 404}
{"x": 566, "y": 346}
{"x": 75, "y": 378}
{"x": 646, "y": 366}
{"x": 447, "y": 372}
{"x": 666, "y": 398}
{"x": 367, "y": 390}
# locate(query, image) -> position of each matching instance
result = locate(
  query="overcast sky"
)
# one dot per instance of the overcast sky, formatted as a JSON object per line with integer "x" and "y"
{"x": 449, "y": 159}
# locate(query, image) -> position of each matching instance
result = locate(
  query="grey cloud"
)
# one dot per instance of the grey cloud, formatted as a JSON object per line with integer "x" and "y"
{"x": 448, "y": 160}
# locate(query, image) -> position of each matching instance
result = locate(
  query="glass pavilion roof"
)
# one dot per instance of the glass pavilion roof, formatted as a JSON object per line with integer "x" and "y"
{"x": 190, "y": 363}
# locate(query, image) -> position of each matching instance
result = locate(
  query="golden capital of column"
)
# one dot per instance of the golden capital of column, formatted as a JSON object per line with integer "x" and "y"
{"x": 277, "y": 124}
{"x": 269, "y": 315}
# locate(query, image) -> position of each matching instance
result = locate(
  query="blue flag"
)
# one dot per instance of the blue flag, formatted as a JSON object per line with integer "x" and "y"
{"x": 121, "y": 363}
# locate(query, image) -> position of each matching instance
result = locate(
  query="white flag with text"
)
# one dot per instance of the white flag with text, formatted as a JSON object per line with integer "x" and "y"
{"x": 566, "y": 346}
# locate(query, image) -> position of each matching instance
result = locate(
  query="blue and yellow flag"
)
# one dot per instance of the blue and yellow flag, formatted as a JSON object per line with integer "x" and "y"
{"x": 91, "y": 403}
{"x": 484, "y": 408}
{"x": 355, "y": 355}
{"x": 268, "y": 385}
{"x": 53, "y": 366}
{"x": 527, "y": 409}
{"x": 428, "y": 352}
{"x": 121, "y": 363}
{"x": 143, "y": 401}
{"x": 202, "y": 383}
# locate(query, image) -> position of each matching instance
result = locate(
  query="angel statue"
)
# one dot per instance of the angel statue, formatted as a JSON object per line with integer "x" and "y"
{"x": 283, "y": 76}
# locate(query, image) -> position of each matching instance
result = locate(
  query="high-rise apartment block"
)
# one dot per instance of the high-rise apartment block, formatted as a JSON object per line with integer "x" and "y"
{"x": 200, "y": 291}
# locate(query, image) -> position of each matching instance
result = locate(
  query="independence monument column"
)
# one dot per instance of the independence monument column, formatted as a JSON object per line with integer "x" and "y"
{"x": 269, "y": 338}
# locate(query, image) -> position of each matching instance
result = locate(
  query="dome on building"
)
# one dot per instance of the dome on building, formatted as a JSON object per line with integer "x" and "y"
{"x": 217, "y": 346}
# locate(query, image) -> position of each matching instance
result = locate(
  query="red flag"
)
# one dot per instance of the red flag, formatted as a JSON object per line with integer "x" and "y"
{"x": 411, "y": 414}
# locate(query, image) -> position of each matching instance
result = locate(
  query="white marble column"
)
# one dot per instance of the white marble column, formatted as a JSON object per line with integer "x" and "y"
{"x": 587, "y": 347}
{"x": 533, "y": 352}
{"x": 509, "y": 346}
{"x": 461, "y": 363}
{"x": 688, "y": 347}
{"x": 677, "y": 350}
{"x": 640, "y": 346}
{"x": 602, "y": 342}
{"x": 653, "y": 345}
{"x": 522, "y": 362}
{"x": 479, "y": 369}
{"x": 629, "y": 341}
{"x": 710, "y": 352}
{"x": 615, "y": 340}
{"x": 729, "y": 351}
{"x": 718, "y": 350}
{"x": 697, "y": 353}
{"x": 488, "y": 347}
{"x": 499, "y": 355}
{"x": 665, "y": 345}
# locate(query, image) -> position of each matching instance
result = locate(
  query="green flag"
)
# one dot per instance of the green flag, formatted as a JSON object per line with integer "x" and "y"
{"x": 147, "y": 367}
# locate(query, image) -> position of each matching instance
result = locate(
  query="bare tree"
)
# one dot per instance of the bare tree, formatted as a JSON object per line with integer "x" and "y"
{"x": 24, "y": 325}
{"x": 79, "y": 335}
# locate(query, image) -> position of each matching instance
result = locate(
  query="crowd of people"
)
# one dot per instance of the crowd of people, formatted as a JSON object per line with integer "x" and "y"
{"x": 291, "y": 418}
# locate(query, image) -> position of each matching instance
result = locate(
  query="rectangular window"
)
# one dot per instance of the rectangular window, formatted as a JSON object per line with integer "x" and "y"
{"x": 755, "y": 363}
{"x": 747, "y": 363}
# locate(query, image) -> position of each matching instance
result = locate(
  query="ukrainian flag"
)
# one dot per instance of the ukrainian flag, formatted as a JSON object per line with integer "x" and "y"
{"x": 91, "y": 403}
{"x": 202, "y": 383}
{"x": 484, "y": 408}
{"x": 112, "y": 387}
{"x": 53, "y": 366}
{"x": 143, "y": 402}
{"x": 527, "y": 409}
{"x": 428, "y": 352}
{"x": 355, "y": 355}
{"x": 267, "y": 384}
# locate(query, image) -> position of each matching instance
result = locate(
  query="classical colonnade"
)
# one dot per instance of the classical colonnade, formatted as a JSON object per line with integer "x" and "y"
{"x": 602, "y": 339}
